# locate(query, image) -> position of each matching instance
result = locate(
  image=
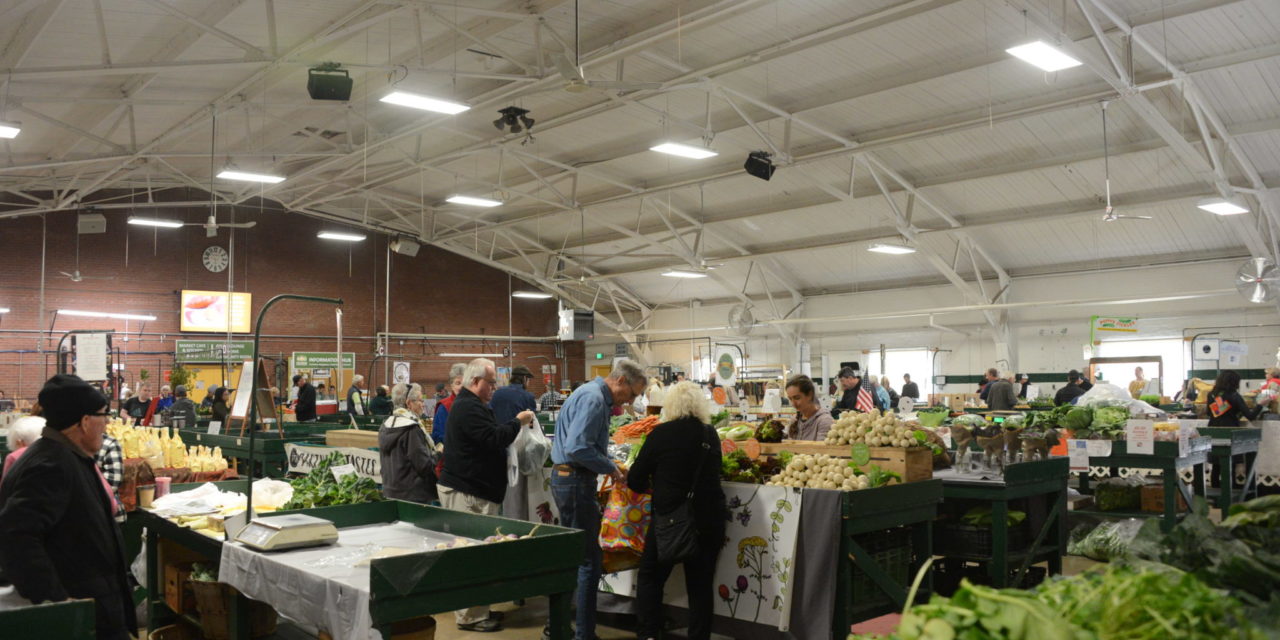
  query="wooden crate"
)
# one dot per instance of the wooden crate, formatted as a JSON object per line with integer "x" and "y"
{"x": 914, "y": 464}
{"x": 351, "y": 438}
{"x": 812, "y": 447}
{"x": 177, "y": 588}
{"x": 1153, "y": 499}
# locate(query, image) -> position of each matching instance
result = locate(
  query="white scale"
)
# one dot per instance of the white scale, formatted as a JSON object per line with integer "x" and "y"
{"x": 290, "y": 531}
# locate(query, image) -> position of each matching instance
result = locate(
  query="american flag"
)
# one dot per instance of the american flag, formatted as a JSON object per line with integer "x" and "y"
{"x": 865, "y": 401}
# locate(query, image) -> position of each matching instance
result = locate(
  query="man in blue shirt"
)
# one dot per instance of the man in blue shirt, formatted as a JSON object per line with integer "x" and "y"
{"x": 513, "y": 398}
{"x": 579, "y": 452}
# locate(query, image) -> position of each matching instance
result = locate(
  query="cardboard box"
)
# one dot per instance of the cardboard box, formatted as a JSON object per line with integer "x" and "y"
{"x": 1153, "y": 499}
{"x": 177, "y": 588}
{"x": 351, "y": 438}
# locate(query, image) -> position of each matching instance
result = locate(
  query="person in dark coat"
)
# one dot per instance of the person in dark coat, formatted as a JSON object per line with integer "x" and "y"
{"x": 305, "y": 408}
{"x": 850, "y": 382}
{"x": 381, "y": 404}
{"x": 408, "y": 454}
{"x": 220, "y": 409}
{"x": 909, "y": 388}
{"x": 1072, "y": 390}
{"x": 667, "y": 464}
{"x": 1226, "y": 407}
{"x": 514, "y": 398}
{"x": 57, "y": 537}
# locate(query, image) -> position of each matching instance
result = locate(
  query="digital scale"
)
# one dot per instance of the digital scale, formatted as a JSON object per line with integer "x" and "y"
{"x": 291, "y": 531}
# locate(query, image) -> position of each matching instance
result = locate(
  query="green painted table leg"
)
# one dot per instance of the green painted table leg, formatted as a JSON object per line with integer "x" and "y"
{"x": 1171, "y": 490}
{"x": 999, "y": 567}
{"x": 560, "y": 629}
{"x": 1225, "y": 479}
{"x": 1059, "y": 533}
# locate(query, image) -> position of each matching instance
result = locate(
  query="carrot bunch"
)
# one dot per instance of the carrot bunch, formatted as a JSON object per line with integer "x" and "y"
{"x": 636, "y": 429}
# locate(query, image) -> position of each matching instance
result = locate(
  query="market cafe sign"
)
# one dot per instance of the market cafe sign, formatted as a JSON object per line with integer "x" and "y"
{"x": 1114, "y": 324}
{"x": 323, "y": 360}
{"x": 194, "y": 351}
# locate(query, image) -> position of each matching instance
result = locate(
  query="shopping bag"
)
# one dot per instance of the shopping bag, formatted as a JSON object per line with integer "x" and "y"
{"x": 533, "y": 454}
{"x": 625, "y": 520}
{"x": 513, "y": 456}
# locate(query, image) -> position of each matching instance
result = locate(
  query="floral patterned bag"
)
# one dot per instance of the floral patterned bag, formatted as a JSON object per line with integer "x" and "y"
{"x": 623, "y": 526}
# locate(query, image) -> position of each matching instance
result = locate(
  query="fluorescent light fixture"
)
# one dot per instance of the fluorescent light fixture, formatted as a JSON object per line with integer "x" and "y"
{"x": 681, "y": 273}
{"x": 1043, "y": 55}
{"x": 154, "y": 222}
{"x": 9, "y": 129}
{"x": 532, "y": 295}
{"x": 1222, "y": 206}
{"x": 472, "y": 355}
{"x": 684, "y": 150}
{"x": 246, "y": 176}
{"x": 895, "y": 249}
{"x": 416, "y": 101}
{"x": 472, "y": 201}
{"x": 103, "y": 314}
{"x": 345, "y": 237}
{"x": 4, "y": 309}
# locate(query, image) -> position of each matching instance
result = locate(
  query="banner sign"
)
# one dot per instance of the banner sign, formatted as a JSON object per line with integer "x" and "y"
{"x": 195, "y": 351}
{"x": 91, "y": 356}
{"x": 323, "y": 359}
{"x": 215, "y": 310}
{"x": 304, "y": 458}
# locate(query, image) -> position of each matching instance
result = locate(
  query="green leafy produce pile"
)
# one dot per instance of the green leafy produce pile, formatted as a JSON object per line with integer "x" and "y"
{"x": 1102, "y": 423}
{"x": 720, "y": 419}
{"x": 771, "y": 431}
{"x": 735, "y": 466}
{"x": 1053, "y": 418}
{"x": 981, "y": 517}
{"x": 617, "y": 422}
{"x": 1151, "y": 399}
{"x": 319, "y": 489}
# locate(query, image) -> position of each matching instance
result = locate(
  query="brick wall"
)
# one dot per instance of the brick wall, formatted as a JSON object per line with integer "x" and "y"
{"x": 435, "y": 292}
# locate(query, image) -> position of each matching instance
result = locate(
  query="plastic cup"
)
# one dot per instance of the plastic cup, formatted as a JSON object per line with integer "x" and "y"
{"x": 146, "y": 494}
{"x": 162, "y": 486}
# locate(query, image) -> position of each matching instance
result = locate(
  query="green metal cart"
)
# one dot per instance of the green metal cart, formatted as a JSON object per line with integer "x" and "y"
{"x": 1229, "y": 445}
{"x": 70, "y": 620}
{"x": 1169, "y": 463}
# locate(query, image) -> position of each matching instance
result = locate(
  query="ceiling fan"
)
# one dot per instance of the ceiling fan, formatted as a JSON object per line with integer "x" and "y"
{"x": 1109, "y": 213}
{"x": 76, "y": 276}
{"x": 576, "y": 82}
{"x": 211, "y": 225}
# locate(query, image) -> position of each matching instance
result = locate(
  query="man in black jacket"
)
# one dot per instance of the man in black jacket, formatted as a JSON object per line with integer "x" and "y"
{"x": 909, "y": 388}
{"x": 57, "y": 537}
{"x": 305, "y": 409}
{"x": 850, "y": 382}
{"x": 1071, "y": 391}
{"x": 475, "y": 466}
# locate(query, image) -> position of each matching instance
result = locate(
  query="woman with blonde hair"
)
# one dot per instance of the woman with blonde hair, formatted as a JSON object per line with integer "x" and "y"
{"x": 680, "y": 461}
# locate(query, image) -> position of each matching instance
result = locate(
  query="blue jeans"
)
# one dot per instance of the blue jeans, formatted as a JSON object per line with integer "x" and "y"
{"x": 575, "y": 496}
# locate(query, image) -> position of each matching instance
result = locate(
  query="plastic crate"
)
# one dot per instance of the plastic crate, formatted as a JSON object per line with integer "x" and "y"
{"x": 947, "y": 575}
{"x": 969, "y": 540}
{"x": 891, "y": 549}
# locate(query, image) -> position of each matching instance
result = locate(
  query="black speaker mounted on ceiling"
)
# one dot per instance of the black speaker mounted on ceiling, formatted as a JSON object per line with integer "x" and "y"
{"x": 329, "y": 84}
{"x": 760, "y": 165}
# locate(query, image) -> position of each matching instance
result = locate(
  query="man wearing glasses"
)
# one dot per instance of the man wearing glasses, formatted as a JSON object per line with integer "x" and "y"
{"x": 475, "y": 468}
{"x": 57, "y": 537}
{"x": 580, "y": 454}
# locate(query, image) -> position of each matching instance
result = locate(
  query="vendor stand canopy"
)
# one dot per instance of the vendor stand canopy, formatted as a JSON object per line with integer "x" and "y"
{"x": 889, "y": 122}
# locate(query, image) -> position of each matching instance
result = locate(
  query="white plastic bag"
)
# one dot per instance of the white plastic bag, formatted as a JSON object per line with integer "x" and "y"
{"x": 513, "y": 456}
{"x": 533, "y": 455}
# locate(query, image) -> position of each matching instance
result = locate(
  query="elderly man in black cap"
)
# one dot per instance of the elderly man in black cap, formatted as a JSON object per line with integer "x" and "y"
{"x": 57, "y": 537}
{"x": 513, "y": 398}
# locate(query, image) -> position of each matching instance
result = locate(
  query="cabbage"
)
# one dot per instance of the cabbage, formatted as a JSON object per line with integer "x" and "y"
{"x": 740, "y": 432}
{"x": 1078, "y": 418}
{"x": 1109, "y": 418}
{"x": 969, "y": 420}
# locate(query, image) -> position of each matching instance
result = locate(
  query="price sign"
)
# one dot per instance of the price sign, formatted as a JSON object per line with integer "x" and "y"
{"x": 1141, "y": 437}
{"x": 215, "y": 427}
{"x": 1099, "y": 448}
{"x": 342, "y": 470}
{"x": 1078, "y": 454}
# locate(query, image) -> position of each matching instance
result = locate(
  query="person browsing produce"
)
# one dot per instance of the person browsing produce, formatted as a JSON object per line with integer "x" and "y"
{"x": 812, "y": 423}
{"x": 408, "y": 454}
{"x": 57, "y": 537}
{"x": 1000, "y": 393}
{"x": 1069, "y": 392}
{"x": 475, "y": 471}
{"x": 305, "y": 407}
{"x": 1226, "y": 407}
{"x": 682, "y": 445}
{"x": 514, "y": 398}
{"x": 441, "y": 416}
{"x": 580, "y": 454}
{"x": 381, "y": 403}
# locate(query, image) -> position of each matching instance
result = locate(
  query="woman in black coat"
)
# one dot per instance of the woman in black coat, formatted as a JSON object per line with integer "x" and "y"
{"x": 220, "y": 409}
{"x": 1226, "y": 407}
{"x": 667, "y": 464}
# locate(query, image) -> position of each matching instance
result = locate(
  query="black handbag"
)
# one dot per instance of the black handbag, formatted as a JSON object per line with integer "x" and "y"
{"x": 674, "y": 533}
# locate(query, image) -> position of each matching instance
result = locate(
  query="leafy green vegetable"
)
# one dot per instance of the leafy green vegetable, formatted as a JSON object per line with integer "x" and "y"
{"x": 784, "y": 458}
{"x": 1150, "y": 398}
{"x": 770, "y": 431}
{"x": 740, "y": 432}
{"x": 1078, "y": 418}
{"x": 981, "y": 517}
{"x": 320, "y": 489}
{"x": 720, "y": 419}
{"x": 635, "y": 450}
{"x": 880, "y": 477}
{"x": 204, "y": 573}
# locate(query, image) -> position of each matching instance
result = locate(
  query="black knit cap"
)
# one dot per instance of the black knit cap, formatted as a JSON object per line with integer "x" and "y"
{"x": 66, "y": 399}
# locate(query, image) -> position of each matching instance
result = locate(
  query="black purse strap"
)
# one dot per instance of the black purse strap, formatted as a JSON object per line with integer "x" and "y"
{"x": 702, "y": 459}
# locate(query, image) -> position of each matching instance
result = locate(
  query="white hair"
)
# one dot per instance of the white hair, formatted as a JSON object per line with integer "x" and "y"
{"x": 166, "y": 389}
{"x": 685, "y": 399}
{"x": 25, "y": 430}
{"x": 1006, "y": 375}
{"x": 357, "y": 378}
{"x": 477, "y": 369}
{"x": 455, "y": 370}
{"x": 403, "y": 393}
{"x": 630, "y": 371}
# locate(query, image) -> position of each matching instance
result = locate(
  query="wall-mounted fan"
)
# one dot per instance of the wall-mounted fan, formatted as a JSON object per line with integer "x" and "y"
{"x": 741, "y": 320}
{"x": 1257, "y": 280}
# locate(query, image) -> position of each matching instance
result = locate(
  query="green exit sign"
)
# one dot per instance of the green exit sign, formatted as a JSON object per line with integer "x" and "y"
{"x": 599, "y": 356}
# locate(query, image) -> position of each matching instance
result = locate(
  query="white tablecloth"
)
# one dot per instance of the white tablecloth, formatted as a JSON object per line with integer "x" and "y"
{"x": 323, "y": 586}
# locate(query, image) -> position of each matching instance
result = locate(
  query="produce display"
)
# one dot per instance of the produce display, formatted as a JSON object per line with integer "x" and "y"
{"x": 1150, "y": 398}
{"x": 640, "y": 427}
{"x": 737, "y": 466}
{"x": 772, "y": 430}
{"x": 736, "y": 431}
{"x": 320, "y": 489}
{"x": 874, "y": 428}
{"x": 826, "y": 472}
{"x": 162, "y": 448}
{"x": 618, "y": 422}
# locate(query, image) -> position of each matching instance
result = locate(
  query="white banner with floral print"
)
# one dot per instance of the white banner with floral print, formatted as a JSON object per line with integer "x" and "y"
{"x": 756, "y": 566}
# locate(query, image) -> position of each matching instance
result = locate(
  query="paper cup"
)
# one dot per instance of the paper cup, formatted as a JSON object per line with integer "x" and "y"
{"x": 146, "y": 494}
{"x": 162, "y": 486}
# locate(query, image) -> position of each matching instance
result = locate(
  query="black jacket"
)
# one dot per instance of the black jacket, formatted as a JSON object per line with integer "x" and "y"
{"x": 911, "y": 390}
{"x": 356, "y": 397}
{"x": 475, "y": 449}
{"x": 221, "y": 412}
{"x": 305, "y": 410}
{"x": 1068, "y": 393}
{"x": 185, "y": 408}
{"x": 408, "y": 461}
{"x": 57, "y": 537}
{"x": 667, "y": 464}
{"x": 1236, "y": 409}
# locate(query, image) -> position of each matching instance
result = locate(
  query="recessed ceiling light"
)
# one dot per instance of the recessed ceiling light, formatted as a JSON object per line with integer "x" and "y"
{"x": 1043, "y": 55}
{"x": 1222, "y": 206}
{"x": 895, "y": 249}
{"x": 103, "y": 314}
{"x": 532, "y": 295}
{"x": 684, "y": 150}
{"x": 154, "y": 222}
{"x": 473, "y": 201}
{"x": 9, "y": 129}
{"x": 425, "y": 103}
{"x": 246, "y": 176}
{"x": 345, "y": 237}
{"x": 681, "y": 273}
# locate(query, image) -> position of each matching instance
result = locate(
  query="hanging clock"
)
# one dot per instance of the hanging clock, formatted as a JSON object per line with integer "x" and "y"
{"x": 215, "y": 259}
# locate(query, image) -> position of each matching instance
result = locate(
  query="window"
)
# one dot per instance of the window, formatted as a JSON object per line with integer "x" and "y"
{"x": 917, "y": 362}
{"x": 1172, "y": 351}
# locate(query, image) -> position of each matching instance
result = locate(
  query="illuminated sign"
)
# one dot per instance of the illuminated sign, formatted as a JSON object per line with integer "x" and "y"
{"x": 215, "y": 310}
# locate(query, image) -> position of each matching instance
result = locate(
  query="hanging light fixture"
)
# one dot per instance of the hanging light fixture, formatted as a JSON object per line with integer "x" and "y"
{"x": 512, "y": 119}
{"x": 473, "y": 201}
{"x": 1044, "y": 56}
{"x": 9, "y": 129}
{"x": 425, "y": 103}
{"x": 248, "y": 176}
{"x": 684, "y": 150}
{"x": 893, "y": 249}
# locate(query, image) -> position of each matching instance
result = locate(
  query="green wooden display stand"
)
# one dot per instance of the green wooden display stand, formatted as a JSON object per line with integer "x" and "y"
{"x": 1167, "y": 461}
{"x": 269, "y": 449}
{"x": 914, "y": 505}
{"x": 1228, "y": 444}
{"x": 71, "y": 620}
{"x": 419, "y": 584}
{"x": 1042, "y": 480}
